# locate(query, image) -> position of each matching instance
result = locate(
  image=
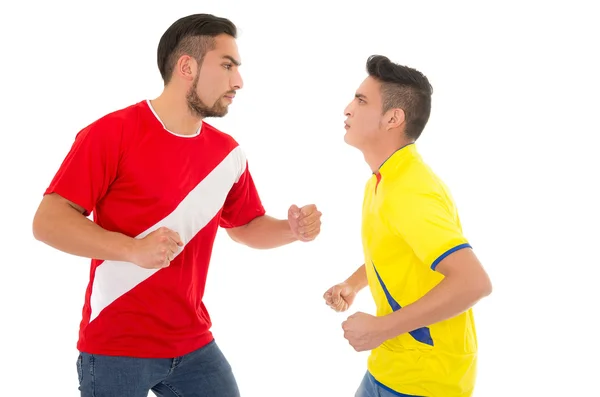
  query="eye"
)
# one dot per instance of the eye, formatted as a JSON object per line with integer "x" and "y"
{"x": 227, "y": 66}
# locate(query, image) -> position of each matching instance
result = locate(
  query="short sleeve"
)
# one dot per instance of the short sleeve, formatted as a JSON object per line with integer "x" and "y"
{"x": 243, "y": 202}
{"x": 429, "y": 226}
{"x": 90, "y": 166}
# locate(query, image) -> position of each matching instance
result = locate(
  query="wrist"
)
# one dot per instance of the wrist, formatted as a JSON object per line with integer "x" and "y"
{"x": 288, "y": 231}
{"x": 354, "y": 287}
{"x": 128, "y": 248}
{"x": 357, "y": 282}
{"x": 387, "y": 325}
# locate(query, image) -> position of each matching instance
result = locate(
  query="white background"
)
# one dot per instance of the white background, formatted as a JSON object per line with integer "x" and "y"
{"x": 513, "y": 133}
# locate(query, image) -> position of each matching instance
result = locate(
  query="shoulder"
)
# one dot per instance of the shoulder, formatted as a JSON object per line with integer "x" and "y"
{"x": 111, "y": 125}
{"x": 223, "y": 142}
{"x": 218, "y": 135}
{"x": 416, "y": 177}
{"x": 131, "y": 113}
{"x": 227, "y": 148}
{"x": 416, "y": 187}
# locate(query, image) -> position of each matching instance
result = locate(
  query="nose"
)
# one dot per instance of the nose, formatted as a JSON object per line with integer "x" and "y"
{"x": 236, "y": 81}
{"x": 348, "y": 110}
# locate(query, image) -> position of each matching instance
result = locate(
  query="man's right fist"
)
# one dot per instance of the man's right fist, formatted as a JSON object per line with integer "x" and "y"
{"x": 340, "y": 297}
{"x": 157, "y": 249}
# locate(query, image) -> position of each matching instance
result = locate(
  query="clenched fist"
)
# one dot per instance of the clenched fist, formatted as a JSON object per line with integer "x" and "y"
{"x": 340, "y": 297}
{"x": 364, "y": 331}
{"x": 157, "y": 249}
{"x": 305, "y": 222}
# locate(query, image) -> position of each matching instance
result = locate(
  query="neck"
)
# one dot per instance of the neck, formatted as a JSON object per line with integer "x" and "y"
{"x": 376, "y": 156}
{"x": 172, "y": 109}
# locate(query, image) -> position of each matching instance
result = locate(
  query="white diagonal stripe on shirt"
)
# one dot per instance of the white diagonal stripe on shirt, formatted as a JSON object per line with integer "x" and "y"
{"x": 113, "y": 278}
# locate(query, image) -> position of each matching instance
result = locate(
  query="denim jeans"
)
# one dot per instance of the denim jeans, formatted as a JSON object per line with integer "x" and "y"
{"x": 202, "y": 373}
{"x": 371, "y": 388}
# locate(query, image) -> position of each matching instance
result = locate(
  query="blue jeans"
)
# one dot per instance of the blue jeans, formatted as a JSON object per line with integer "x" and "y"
{"x": 371, "y": 388}
{"x": 202, "y": 373}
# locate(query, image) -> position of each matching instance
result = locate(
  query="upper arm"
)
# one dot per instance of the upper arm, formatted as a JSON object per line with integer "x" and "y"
{"x": 90, "y": 166}
{"x": 428, "y": 225}
{"x": 51, "y": 200}
{"x": 52, "y": 207}
{"x": 464, "y": 264}
{"x": 243, "y": 203}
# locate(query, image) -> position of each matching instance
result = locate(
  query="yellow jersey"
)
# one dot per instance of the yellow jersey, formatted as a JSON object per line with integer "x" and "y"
{"x": 410, "y": 223}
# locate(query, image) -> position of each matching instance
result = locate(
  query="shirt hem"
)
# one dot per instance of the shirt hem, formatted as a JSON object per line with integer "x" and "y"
{"x": 146, "y": 353}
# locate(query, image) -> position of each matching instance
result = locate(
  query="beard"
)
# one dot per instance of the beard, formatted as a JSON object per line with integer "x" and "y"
{"x": 199, "y": 108}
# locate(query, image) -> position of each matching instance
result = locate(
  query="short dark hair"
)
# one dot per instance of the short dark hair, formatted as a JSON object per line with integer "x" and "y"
{"x": 192, "y": 35}
{"x": 405, "y": 88}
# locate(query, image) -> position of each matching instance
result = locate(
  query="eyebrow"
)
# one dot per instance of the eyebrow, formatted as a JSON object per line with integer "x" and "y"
{"x": 360, "y": 96}
{"x": 232, "y": 59}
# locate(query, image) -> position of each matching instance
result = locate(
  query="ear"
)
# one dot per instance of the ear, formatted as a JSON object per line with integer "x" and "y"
{"x": 395, "y": 118}
{"x": 186, "y": 67}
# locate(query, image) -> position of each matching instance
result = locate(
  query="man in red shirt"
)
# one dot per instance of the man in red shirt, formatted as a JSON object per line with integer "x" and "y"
{"x": 159, "y": 182}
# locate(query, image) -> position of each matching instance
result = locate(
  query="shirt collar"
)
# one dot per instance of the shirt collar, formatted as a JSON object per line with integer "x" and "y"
{"x": 397, "y": 157}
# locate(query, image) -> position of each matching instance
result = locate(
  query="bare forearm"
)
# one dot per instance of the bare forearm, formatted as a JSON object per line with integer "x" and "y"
{"x": 64, "y": 228}
{"x": 448, "y": 299}
{"x": 264, "y": 232}
{"x": 358, "y": 279}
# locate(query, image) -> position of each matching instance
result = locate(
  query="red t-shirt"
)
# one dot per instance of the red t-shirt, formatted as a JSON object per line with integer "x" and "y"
{"x": 136, "y": 176}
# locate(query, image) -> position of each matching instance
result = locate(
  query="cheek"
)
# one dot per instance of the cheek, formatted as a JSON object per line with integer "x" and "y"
{"x": 208, "y": 83}
{"x": 368, "y": 123}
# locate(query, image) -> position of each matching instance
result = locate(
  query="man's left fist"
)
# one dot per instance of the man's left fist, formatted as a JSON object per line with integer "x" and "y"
{"x": 305, "y": 222}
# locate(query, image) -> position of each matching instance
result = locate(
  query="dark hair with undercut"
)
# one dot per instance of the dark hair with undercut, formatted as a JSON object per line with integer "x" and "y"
{"x": 193, "y": 35}
{"x": 405, "y": 88}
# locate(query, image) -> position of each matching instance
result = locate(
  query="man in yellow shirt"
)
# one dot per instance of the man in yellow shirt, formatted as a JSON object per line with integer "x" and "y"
{"x": 422, "y": 273}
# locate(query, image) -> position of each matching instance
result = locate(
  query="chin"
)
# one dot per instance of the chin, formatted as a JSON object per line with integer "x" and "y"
{"x": 220, "y": 113}
{"x": 348, "y": 139}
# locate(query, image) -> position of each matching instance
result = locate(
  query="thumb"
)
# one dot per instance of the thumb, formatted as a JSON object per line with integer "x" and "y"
{"x": 294, "y": 211}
